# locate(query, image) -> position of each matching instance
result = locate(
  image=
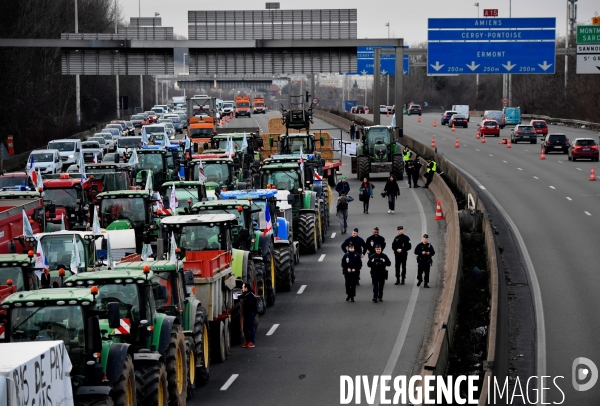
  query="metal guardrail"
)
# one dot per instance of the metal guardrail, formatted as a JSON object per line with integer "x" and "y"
{"x": 565, "y": 121}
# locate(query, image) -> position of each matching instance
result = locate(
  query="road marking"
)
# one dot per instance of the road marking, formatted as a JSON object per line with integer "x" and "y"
{"x": 520, "y": 169}
{"x": 560, "y": 162}
{"x": 476, "y": 149}
{"x": 588, "y": 213}
{"x": 568, "y": 198}
{"x": 229, "y": 381}
{"x": 332, "y": 235}
{"x": 322, "y": 257}
{"x": 526, "y": 150}
{"x": 578, "y": 169}
{"x": 505, "y": 162}
{"x": 536, "y": 177}
{"x": 301, "y": 289}
{"x": 551, "y": 187}
{"x": 491, "y": 155}
{"x": 272, "y": 330}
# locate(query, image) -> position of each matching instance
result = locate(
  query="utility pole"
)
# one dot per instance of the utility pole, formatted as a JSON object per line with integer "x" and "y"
{"x": 77, "y": 84}
{"x": 117, "y": 76}
{"x": 376, "y": 80}
{"x": 399, "y": 87}
{"x": 571, "y": 21}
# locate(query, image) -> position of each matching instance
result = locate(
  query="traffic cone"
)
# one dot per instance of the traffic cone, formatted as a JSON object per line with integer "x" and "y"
{"x": 542, "y": 156}
{"x": 508, "y": 144}
{"x": 592, "y": 174}
{"x": 483, "y": 139}
{"x": 453, "y": 128}
{"x": 438, "y": 212}
{"x": 419, "y": 119}
{"x": 478, "y": 136}
{"x": 432, "y": 142}
{"x": 456, "y": 144}
{"x": 434, "y": 123}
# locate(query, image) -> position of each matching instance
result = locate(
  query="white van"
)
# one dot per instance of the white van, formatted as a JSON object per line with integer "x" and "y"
{"x": 68, "y": 149}
{"x": 127, "y": 143}
{"x": 463, "y": 109}
{"x": 46, "y": 160}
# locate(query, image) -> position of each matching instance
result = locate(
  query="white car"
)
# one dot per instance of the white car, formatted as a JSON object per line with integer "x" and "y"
{"x": 46, "y": 160}
{"x": 91, "y": 150}
{"x": 111, "y": 144}
{"x": 69, "y": 150}
{"x": 100, "y": 140}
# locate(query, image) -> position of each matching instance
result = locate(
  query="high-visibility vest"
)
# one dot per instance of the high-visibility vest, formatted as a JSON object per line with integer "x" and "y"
{"x": 432, "y": 166}
{"x": 406, "y": 155}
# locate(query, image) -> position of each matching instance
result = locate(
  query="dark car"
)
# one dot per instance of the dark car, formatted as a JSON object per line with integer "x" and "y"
{"x": 414, "y": 109}
{"x": 523, "y": 132}
{"x": 447, "y": 116}
{"x": 459, "y": 120}
{"x": 583, "y": 148}
{"x": 360, "y": 109}
{"x": 554, "y": 143}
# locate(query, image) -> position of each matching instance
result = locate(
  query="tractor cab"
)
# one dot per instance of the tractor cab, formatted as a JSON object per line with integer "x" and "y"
{"x": 187, "y": 194}
{"x": 219, "y": 173}
{"x": 65, "y": 198}
{"x": 284, "y": 176}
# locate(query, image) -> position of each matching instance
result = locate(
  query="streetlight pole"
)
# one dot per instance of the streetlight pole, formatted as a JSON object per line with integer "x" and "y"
{"x": 77, "y": 84}
{"x": 388, "y": 25}
{"x": 117, "y": 76}
{"x": 477, "y": 76}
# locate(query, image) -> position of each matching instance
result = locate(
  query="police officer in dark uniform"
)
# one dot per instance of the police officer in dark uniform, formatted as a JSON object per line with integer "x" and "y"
{"x": 401, "y": 246}
{"x": 375, "y": 240}
{"x": 424, "y": 251}
{"x": 378, "y": 263}
{"x": 351, "y": 264}
{"x": 409, "y": 167}
{"x": 416, "y": 171}
{"x": 360, "y": 248}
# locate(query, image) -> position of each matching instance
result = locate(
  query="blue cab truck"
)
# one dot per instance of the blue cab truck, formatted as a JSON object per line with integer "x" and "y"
{"x": 511, "y": 116}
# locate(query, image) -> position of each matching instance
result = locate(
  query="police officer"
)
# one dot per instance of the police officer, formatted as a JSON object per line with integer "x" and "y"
{"x": 360, "y": 247}
{"x": 351, "y": 264}
{"x": 409, "y": 167}
{"x": 378, "y": 263}
{"x": 401, "y": 246}
{"x": 424, "y": 251}
{"x": 406, "y": 154}
{"x": 375, "y": 240}
{"x": 416, "y": 171}
{"x": 431, "y": 169}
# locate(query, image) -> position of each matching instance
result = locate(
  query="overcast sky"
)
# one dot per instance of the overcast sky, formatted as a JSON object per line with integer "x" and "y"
{"x": 408, "y": 19}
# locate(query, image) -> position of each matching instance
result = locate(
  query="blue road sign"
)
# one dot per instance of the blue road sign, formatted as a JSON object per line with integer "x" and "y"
{"x": 365, "y": 61}
{"x": 491, "y": 35}
{"x": 483, "y": 23}
{"x": 490, "y": 57}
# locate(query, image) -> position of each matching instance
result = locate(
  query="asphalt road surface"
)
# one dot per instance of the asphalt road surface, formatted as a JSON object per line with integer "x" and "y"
{"x": 556, "y": 211}
{"x": 311, "y": 335}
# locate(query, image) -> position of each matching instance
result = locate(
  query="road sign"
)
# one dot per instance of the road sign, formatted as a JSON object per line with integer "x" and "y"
{"x": 315, "y": 100}
{"x": 490, "y": 12}
{"x": 588, "y": 49}
{"x": 491, "y": 46}
{"x": 588, "y": 34}
{"x": 505, "y": 100}
{"x": 365, "y": 61}
{"x": 588, "y": 64}
{"x": 595, "y": 20}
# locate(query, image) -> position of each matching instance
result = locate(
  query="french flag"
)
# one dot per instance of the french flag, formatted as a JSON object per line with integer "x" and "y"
{"x": 269, "y": 226}
{"x": 32, "y": 171}
{"x": 317, "y": 177}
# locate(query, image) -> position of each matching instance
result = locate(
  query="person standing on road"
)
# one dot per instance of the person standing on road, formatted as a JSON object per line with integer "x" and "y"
{"x": 401, "y": 246}
{"x": 375, "y": 240}
{"x": 352, "y": 130}
{"x": 378, "y": 263}
{"x": 406, "y": 154}
{"x": 365, "y": 194}
{"x": 342, "y": 212}
{"x": 343, "y": 187}
{"x": 416, "y": 171}
{"x": 409, "y": 167}
{"x": 351, "y": 264}
{"x": 249, "y": 312}
{"x": 392, "y": 191}
{"x": 360, "y": 247}
{"x": 424, "y": 251}
{"x": 431, "y": 169}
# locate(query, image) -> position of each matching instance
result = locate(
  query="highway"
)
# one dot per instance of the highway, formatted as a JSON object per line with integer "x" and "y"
{"x": 311, "y": 335}
{"x": 555, "y": 209}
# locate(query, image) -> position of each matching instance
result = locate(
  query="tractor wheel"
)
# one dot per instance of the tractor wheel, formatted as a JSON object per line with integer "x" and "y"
{"x": 124, "y": 393}
{"x": 318, "y": 222}
{"x": 270, "y": 275}
{"x": 363, "y": 167}
{"x": 323, "y": 221}
{"x": 202, "y": 344}
{"x": 307, "y": 236}
{"x": 227, "y": 336}
{"x": 218, "y": 354}
{"x": 398, "y": 167}
{"x": 261, "y": 291}
{"x": 326, "y": 200}
{"x": 190, "y": 355}
{"x": 177, "y": 367}
{"x": 151, "y": 384}
{"x": 283, "y": 269}
{"x": 96, "y": 401}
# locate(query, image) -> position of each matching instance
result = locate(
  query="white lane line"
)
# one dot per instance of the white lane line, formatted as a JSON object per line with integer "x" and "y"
{"x": 229, "y": 381}
{"x": 520, "y": 169}
{"x": 322, "y": 257}
{"x": 568, "y": 198}
{"x": 505, "y": 162}
{"x": 535, "y": 177}
{"x": 301, "y": 289}
{"x": 578, "y": 169}
{"x": 588, "y": 213}
{"x": 560, "y": 162}
{"x": 551, "y": 187}
{"x": 476, "y": 149}
{"x": 272, "y": 329}
{"x": 332, "y": 235}
{"x": 526, "y": 150}
{"x": 491, "y": 155}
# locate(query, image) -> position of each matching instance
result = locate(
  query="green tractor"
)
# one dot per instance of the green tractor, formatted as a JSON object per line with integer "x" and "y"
{"x": 247, "y": 159}
{"x": 127, "y": 303}
{"x": 307, "y": 209}
{"x": 182, "y": 304}
{"x": 187, "y": 192}
{"x": 379, "y": 152}
{"x": 162, "y": 164}
{"x": 106, "y": 370}
{"x": 220, "y": 173}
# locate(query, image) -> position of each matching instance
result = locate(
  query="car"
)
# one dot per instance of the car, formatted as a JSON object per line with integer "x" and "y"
{"x": 361, "y": 109}
{"x": 152, "y": 116}
{"x": 123, "y": 124}
{"x": 69, "y": 149}
{"x": 46, "y": 160}
{"x": 227, "y": 107}
{"x": 91, "y": 150}
{"x": 583, "y": 148}
{"x": 19, "y": 181}
{"x": 110, "y": 157}
{"x": 169, "y": 126}
{"x": 463, "y": 109}
{"x": 555, "y": 142}
{"x": 391, "y": 109}
{"x": 495, "y": 115}
{"x": 446, "y": 116}
{"x": 414, "y": 109}
{"x": 139, "y": 120}
{"x": 121, "y": 128}
{"x": 115, "y": 132}
{"x": 125, "y": 143}
{"x": 108, "y": 140}
{"x": 130, "y": 127}
{"x": 177, "y": 121}
{"x": 540, "y": 126}
{"x": 101, "y": 141}
{"x": 523, "y": 132}
{"x": 488, "y": 127}
{"x": 383, "y": 109}
{"x": 458, "y": 120}
{"x": 183, "y": 118}
{"x": 159, "y": 111}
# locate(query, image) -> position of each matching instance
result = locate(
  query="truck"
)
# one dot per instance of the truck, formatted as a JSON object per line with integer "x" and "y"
{"x": 463, "y": 109}
{"x": 202, "y": 114}
{"x": 66, "y": 197}
{"x": 12, "y": 205}
{"x": 511, "y": 116}
{"x": 179, "y": 101}
{"x": 242, "y": 106}
{"x": 258, "y": 105}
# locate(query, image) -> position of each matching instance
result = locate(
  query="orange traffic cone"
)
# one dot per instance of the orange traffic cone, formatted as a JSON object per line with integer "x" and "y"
{"x": 419, "y": 119}
{"x": 434, "y": 123}
{"x": 438, "y": 212}
{"x": 456, "y": 144}
{"x": 592, "y": 174}
{"x": 432, "y": 142}
{"x": 453, "y": 127}
{"x": 483, "y": 138}
{"x": 508, "y": 144}
{"x": 542, "y": 156}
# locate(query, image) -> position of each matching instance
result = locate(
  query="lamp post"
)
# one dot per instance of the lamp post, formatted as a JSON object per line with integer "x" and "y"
{"x": 388, "y": 25}
{"x": 477, "y": 76}
{"x": 77, "y": 86}
{"x": 477, "y": 5}
{"x": 117, "y": 76}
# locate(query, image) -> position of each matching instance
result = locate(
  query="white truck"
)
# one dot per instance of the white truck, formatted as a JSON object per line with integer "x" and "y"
{"x": 463, "y": 109}
{"x": 35, "y": 373}
{"x": 179, "y": 101}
